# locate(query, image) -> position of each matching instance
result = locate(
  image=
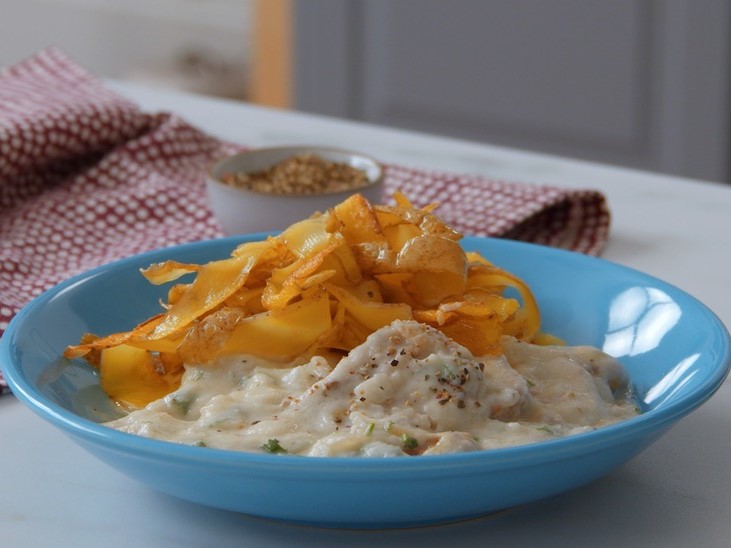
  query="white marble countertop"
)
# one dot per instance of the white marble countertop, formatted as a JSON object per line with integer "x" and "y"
{"x": 676, "y": 493}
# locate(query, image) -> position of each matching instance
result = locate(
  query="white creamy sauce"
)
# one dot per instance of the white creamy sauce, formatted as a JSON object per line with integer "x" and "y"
{"x": 407, "y": 390}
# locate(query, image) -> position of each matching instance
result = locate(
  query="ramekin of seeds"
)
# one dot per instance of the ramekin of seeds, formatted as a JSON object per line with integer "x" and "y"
{"x": 267, "y": 189}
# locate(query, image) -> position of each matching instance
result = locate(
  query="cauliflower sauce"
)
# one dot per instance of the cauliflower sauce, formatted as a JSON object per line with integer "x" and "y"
{"x": 407, "y": 390}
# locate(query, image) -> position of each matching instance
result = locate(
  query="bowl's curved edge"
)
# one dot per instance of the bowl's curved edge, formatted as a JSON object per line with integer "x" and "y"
{"x": 91, "y": 434}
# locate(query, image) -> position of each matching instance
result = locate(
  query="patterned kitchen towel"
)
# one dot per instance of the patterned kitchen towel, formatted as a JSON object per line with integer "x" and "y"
{"x": 86, "y": 177}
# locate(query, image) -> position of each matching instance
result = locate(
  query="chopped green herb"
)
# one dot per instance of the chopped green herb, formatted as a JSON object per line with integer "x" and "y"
{"x": 447, "y": 373}
{"x": 369, "y": 429}
{"x": 531, "y": 384}
{"x": 200, "y": 444}
{"x": 183, "y": 403}
{"x": 408, "y": 442}
{"x": 272, "y": 446}
{"x": 546, "y": 429}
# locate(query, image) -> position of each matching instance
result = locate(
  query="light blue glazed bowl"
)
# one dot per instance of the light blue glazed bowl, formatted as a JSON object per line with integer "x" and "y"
{"x": 675, "y": 350}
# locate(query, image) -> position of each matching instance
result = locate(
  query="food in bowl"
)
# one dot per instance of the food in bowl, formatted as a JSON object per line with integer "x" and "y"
{"x": 408, "y": 390}
{"x": 676, "y": 362}
{"x": 300, "y": 174}
{"x": 268, "y": 189}
{"x": 363, "y": 331}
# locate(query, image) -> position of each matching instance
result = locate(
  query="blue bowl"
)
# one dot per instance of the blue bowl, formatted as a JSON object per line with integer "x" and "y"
{"x": 675, "y": 350}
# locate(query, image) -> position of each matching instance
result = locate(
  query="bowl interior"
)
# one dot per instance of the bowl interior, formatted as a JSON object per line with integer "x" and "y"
{"x": 674, "y": 348}
{"x": 262, "y": 158}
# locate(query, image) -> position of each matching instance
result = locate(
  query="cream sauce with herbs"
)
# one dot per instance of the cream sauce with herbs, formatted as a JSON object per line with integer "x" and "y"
{"x": 408, "y": 390}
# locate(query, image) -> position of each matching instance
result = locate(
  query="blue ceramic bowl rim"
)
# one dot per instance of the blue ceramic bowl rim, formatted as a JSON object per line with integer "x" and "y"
{"x": 492, "y": 459}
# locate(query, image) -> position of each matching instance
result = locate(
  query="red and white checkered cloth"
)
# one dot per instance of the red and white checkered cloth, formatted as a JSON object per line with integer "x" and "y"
{"x": 87, "y": 178}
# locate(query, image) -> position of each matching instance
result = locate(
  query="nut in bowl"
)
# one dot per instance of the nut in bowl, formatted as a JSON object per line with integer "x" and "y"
{"x": 267, "y": 189}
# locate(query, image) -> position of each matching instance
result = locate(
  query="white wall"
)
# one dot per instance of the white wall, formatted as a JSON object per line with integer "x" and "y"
{"x": 198, "y": 45}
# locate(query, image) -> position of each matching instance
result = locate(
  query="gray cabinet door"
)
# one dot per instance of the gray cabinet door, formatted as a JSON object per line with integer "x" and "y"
{"x": 639, "y": 83}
